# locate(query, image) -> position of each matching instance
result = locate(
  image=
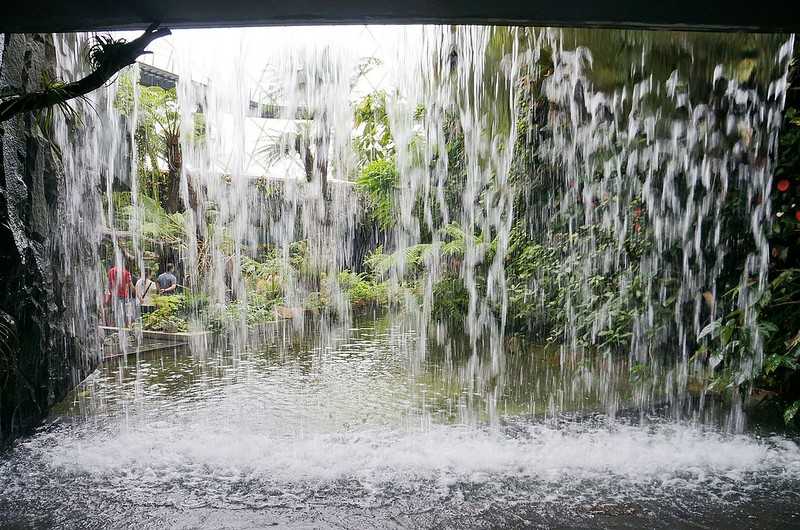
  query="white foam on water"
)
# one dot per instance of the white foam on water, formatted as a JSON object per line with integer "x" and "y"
{"x": 664, "y": 452}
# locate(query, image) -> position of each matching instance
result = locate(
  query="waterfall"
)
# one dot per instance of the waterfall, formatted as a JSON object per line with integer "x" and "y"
{"x": 623, "y": 178}
{"x": 428, "y": 276}
{"x": 664, "y": 152}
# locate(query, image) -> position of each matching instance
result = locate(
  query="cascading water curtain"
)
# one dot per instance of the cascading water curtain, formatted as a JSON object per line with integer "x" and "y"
{"x": 625, "y": 171}
{"x": 652, "y": 171}
{"x": 214, "y": 190}
{"x": 638, "y": 166}
{"x": 95, "y": 142}
{"x": 461, "y": 82}
{"x": 285, "y": 185}
{"x": 317, "y": 84}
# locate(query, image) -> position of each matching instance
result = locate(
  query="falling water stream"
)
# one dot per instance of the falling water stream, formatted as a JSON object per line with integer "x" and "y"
{"x": 395, "y": 418}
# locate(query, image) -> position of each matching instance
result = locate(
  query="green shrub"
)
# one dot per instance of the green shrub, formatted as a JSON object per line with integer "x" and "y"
{"x": 727, "y": 344}
{"x": 361, "y": 291}
{"x": 167, "y": 316}
{"x": 450, "y": 300}
{"x": 378, "y": 181}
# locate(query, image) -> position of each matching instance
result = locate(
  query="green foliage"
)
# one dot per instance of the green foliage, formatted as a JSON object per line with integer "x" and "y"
{"x": 727, "y": 343}
{"x": 378, "y": 181}
{"x": 412, "y": 261}
{"x": 785, "y": 237}
{"x": 776, "y": 312}
{"x": 68, "y": 111}
{"x": 378, "y": 263}
{"x": 373, "y": 137}
{"x": 450, "y": 300}
{"x": 158, "y": 140}
{"x": 549, "y": 289}
{"x": 264, "y": 281}
{"x": 258, "y": 309}
{"x": 531, "y": 269}
{"x": 317, "y": 301}
{"x": 124, "y": 98}
{"x": 694, "y": 55}
{"x": 194, "y": 303}
{"x": 154, "y": 222}
{"x": 289, "y": 144}
{"x": 363, "y": 292}
{"x": 167, "y": 315}
{"x": 157, "y": 133}
{"x": 790, "y": 413}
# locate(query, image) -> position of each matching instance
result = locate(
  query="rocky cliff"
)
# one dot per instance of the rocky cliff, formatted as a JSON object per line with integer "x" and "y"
{"x": 40, "y": 351}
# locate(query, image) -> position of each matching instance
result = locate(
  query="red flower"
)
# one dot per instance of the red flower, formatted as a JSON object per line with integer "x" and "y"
{"x": 797, "y": 215}
{"x": 783, "y": 185}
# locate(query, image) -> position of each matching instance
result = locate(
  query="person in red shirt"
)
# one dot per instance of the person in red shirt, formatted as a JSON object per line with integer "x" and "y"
{"x": 119, "y": 294}
{"x": 119, "y": 282}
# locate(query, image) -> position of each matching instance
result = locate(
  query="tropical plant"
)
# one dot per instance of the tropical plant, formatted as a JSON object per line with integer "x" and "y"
{"x": 728, "y": 343}
{"x": 361, "y": 291}
{"x": 167, "y": 315}
{"x": 372, "y": 136}
{"x": 106, "y": 55}
{"x": 157, "y": 135}
{"x": 154, "y": 222}
{"x": 378, "y": 181}
{"x": 158, "y": 138}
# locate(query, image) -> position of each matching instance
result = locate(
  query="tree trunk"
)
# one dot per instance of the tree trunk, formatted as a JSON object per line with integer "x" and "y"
{"x": 173, "y": 203}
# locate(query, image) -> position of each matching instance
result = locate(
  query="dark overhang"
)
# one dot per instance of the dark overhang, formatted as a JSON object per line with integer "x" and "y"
{"x": 63, "y": 15}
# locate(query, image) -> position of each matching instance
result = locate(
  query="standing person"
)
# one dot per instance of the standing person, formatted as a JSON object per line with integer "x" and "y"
{"x": 145, "y": 291}
{"x": 119, "y": 287}
{"x": 167, "y": 282}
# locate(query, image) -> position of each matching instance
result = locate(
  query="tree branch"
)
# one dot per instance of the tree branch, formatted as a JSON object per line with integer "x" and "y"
{"x": 109, "y": 57}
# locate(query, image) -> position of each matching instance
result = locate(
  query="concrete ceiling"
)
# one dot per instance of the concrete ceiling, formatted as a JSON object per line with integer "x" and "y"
{"x": 76, "y": 15}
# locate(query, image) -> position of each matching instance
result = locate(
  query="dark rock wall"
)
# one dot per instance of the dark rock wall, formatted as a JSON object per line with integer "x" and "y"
{"x": 40, "y": 355}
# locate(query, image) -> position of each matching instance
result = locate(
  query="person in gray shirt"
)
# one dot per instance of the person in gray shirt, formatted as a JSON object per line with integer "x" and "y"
{"x": 167, "y": 282}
